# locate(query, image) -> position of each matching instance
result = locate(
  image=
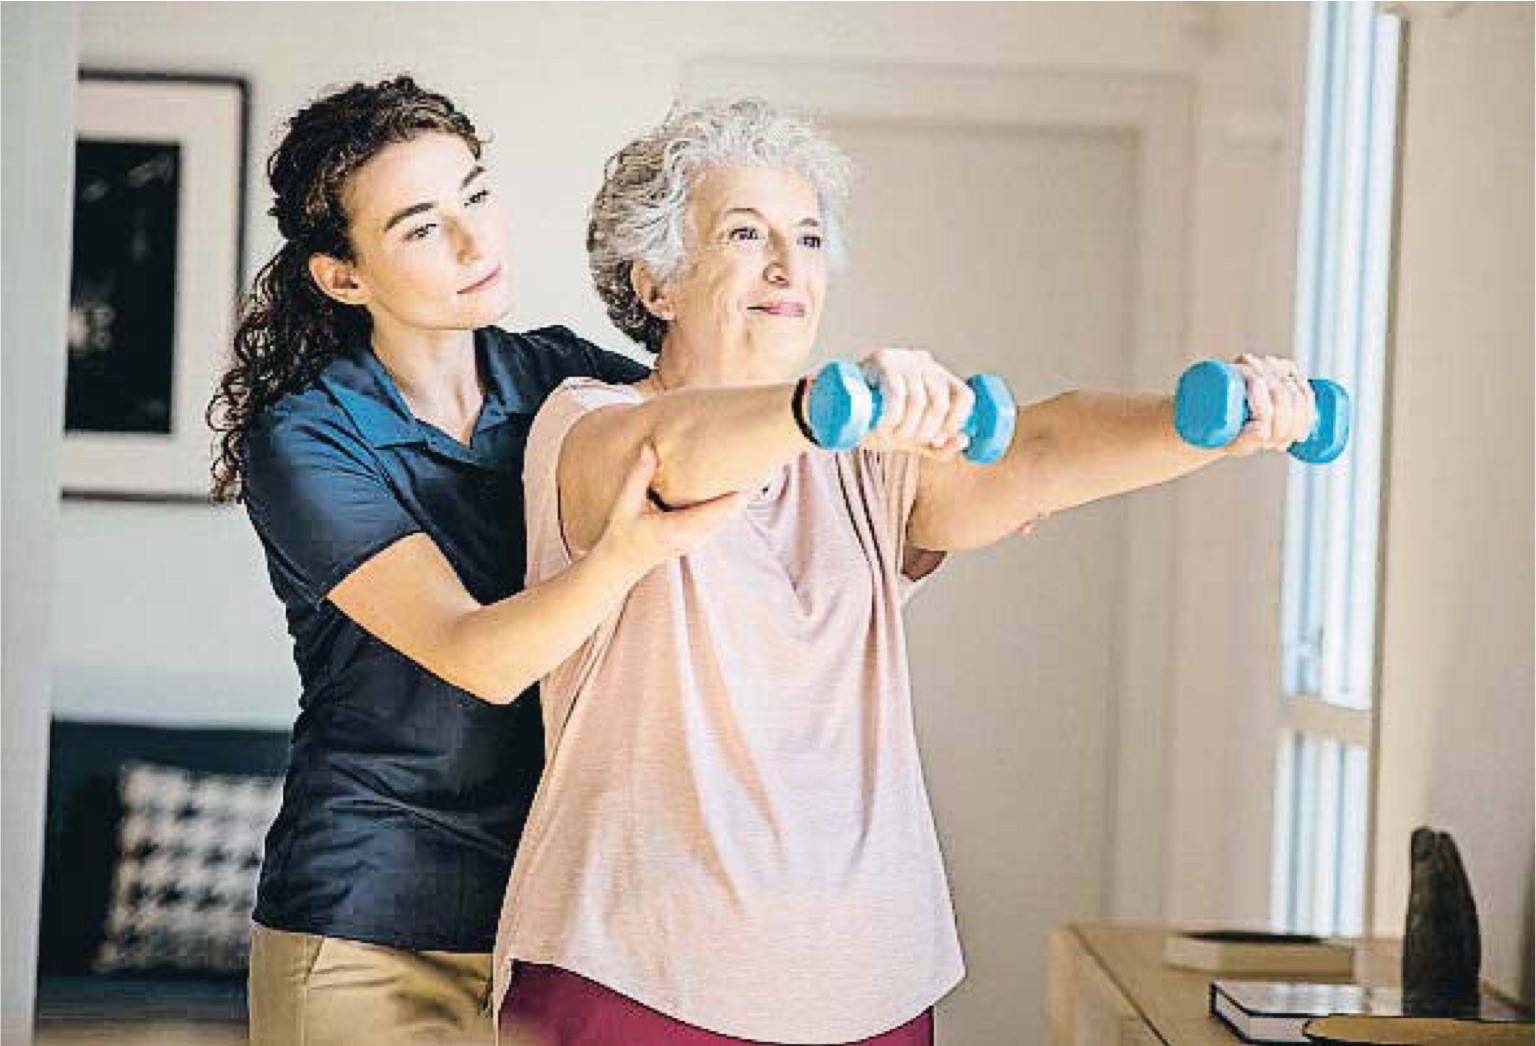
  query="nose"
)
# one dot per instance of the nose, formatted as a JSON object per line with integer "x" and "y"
{"x": 470, "y": 241}
{"x": 782, "y": 267}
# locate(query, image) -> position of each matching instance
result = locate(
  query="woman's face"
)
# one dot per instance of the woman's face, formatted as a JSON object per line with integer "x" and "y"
{"x": 750, "y": 295}
{"x": 429, "y": 238}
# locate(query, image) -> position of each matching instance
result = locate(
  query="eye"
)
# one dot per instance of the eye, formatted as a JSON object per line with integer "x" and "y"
{"x": 744, "y": 232}
{"x": 480, "y": 197}
{"x": 812, "y": 240}
{"x": 421, "y": 231}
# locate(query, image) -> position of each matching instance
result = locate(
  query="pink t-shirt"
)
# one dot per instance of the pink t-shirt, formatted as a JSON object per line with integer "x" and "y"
{"x": 732, "y": 827}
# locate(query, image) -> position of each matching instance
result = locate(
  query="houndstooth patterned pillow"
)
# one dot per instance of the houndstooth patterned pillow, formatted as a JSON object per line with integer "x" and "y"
{"x": 185, "y": 884}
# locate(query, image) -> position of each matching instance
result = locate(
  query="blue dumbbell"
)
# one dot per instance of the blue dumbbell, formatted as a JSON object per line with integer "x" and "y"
{"x": 1211, "y": 408}
{"x": 842, "y": 407}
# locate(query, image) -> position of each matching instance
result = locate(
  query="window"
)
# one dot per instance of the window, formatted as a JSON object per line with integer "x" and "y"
{"x": 1330, "y": 583}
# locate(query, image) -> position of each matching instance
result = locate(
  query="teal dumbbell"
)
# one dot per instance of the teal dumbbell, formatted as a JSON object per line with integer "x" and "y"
{"x": 842, "y": 407}
{"x": 1211, "y": 408}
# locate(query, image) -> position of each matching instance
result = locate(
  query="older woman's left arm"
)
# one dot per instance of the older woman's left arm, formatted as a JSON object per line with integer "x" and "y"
{"x": 1083, "y": 446}
{"x": 1067, "y": 451}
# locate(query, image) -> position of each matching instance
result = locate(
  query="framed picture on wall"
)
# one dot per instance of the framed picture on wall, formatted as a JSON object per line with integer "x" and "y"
{"x": 155, "y": 277}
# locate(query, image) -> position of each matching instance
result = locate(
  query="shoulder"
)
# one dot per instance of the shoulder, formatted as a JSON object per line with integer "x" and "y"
{"x": 577, "y": 396}
{"x": 310, "y": 413}
{"x": 539, "y": 360}
{"x": 300, "y": 432}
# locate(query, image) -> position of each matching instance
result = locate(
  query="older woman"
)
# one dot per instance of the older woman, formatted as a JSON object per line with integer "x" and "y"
{"x": 732, "y": 839}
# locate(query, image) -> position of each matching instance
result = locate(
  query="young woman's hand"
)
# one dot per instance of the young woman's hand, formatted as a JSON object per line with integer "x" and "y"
{"x": 641, "y": 535}
{"x": 1282, "y": 401}
{"x": 925, "y": 406}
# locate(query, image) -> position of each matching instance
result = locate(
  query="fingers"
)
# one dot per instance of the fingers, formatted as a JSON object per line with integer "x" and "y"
{"x": 907, "y": 406}
{"x": 1283, "y": 378}
{"x": 1281, "y": 401}
{"x": 928, "y": 405}
{"x": 685, "y": 529}
{"x": 1294, "y": 410}
{"x": 631, "y": 497}
{"x": 1260, "y": 402}
{"x": 1306, "y": 405}
{"x": 924, "y": 406}
{"x": 962, "y": 400}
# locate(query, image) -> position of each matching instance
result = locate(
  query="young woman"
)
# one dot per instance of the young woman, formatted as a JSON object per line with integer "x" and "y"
{"x": 373, "y": 423}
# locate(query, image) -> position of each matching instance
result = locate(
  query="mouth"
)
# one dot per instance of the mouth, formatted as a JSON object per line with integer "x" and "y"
{"x": 484, "y": 284}
{"x": 784, "y": 309}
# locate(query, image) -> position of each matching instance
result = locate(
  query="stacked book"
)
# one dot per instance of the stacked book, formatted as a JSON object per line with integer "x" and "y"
{"x": 1285, "y": 1012}
{"x": 1311, "y": 1011}
{"x": 1253, "y": 953}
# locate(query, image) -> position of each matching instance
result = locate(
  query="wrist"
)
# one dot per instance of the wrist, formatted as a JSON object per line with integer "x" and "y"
{"x": 797, "y": 410}
{"x": 610, "y": 565}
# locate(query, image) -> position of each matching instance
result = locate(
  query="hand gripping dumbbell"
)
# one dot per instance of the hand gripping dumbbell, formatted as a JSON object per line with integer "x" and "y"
{"x": 1211, "y": 408}
{"x": 842, "y": 407}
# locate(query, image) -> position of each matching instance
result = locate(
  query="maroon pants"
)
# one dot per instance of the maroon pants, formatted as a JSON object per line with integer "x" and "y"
{"x": 554, "y": 1007}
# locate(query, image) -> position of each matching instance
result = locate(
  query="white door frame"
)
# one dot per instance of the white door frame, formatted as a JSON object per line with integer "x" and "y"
{"x": 1157, "y": 111}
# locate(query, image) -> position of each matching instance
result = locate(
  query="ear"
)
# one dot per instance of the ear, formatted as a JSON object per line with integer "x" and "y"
{"x": 653, "y": 294}
{"x": 337, "y": 279}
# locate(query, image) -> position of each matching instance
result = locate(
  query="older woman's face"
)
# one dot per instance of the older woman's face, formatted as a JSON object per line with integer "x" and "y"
{"x": 751, "y": 291}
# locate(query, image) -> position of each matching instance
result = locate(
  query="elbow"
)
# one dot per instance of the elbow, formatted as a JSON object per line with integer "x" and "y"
{"x": 457, "y": 662}
{"x": 666, "y": 436}
{"x": 500, "y": 696}
{"x": 493, "y": 691}
{"x": 680, "y": 479}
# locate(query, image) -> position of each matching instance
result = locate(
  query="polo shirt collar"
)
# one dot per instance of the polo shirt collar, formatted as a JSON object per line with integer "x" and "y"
{"x": 367, "y": 393}
{"x": 503, "y": 397}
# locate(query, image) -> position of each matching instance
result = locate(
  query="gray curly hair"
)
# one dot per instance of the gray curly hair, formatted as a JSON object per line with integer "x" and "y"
{"x": 639, "y": 213}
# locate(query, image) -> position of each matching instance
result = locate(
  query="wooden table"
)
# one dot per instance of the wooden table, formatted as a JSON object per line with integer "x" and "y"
{"x": 1109, "y": 987}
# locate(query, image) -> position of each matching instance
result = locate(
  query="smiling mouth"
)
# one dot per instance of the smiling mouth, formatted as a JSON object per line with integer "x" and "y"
{"x": 785, "y": 309}
{"x": 483, "y": 284}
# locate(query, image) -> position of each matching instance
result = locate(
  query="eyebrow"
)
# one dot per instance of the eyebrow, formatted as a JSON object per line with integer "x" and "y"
{"x": 407, "y": 212}
{"x": 803, "y": 223}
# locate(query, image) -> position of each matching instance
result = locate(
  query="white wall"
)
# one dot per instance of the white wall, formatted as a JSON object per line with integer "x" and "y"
{"x": 1230, "y": 531}
{"x": 167, "y": 609}
{"x": 563, "y": 85}
{"x": 1456, "y": 688}
{"x": 39, "y": 49}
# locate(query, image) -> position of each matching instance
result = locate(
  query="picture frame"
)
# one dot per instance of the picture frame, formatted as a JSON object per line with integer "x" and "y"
{"x": 156, "y": 275}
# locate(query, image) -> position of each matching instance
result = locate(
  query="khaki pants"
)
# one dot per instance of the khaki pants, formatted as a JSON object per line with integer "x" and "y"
{"x": 308, "y": 990}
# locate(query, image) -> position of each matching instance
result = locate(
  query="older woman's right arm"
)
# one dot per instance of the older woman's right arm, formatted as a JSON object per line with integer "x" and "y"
{"x": 708, "y": 442}
{"x": 727, "y": 440}
{"x": 722, "y": 440}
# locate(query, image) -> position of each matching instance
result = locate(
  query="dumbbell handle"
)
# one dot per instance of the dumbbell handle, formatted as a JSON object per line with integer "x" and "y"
{"x": 843, "y": 407}
{"x": 1211, "y": 408}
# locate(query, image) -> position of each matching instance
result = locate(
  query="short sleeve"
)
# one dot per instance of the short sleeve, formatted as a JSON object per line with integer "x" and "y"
{"x": 615, "y": 369}
{"x": 548, "y": 551}
{"x": 573, "y": 356}
{"x": 892, "y": 478}
{"x": 318, "y": 500}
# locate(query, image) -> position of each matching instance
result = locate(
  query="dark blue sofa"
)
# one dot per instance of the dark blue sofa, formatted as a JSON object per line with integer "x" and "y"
{"x": 80, "y": 854}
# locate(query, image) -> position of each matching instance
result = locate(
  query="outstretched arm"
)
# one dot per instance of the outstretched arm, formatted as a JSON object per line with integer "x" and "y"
{"x": 720, "y": 440}
{"x": 1081, "y": 447}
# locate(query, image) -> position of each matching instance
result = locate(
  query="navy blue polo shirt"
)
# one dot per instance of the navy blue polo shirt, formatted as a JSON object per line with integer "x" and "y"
{"x": 405, "y": 795}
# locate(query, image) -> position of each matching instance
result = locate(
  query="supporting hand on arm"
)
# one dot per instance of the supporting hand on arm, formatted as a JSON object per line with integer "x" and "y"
{"x": 409, "y": 597}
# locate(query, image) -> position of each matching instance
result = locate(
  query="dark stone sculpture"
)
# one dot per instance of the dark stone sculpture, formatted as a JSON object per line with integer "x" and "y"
{"x": 1442, "y": 949}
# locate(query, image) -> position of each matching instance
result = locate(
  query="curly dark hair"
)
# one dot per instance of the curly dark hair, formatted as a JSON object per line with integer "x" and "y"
{"x": 288, "y": 329}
